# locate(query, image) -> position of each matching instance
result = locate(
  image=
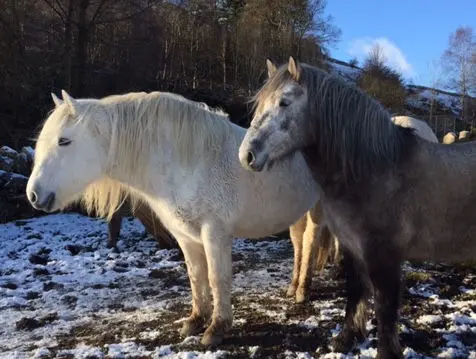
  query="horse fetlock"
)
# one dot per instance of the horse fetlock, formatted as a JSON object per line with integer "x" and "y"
{"x": 344, "y": 341}
{"x": 216, "y": 331}
{"x": 389, "y": 347}
{"x": 193, "y": 326}
{"x": 388, "y": 354}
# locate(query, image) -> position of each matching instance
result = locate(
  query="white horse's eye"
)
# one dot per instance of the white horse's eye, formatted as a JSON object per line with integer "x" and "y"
{"x": 63, "y": 141}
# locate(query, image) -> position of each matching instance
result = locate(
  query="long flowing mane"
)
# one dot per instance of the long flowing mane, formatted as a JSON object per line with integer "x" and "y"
{"x": 131, "y": 133}
{"x": 353, "y": 132}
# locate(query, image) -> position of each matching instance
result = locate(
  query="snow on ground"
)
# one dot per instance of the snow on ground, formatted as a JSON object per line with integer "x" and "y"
{"x": 63, "y": 294}
{"x": 423, "y": 99}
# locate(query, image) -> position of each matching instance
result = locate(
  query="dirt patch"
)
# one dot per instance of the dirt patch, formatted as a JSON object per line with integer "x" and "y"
{"x": 80, "y": 299}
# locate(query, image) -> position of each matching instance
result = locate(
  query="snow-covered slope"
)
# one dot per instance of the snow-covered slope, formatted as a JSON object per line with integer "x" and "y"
{"x": 418, "y": 96}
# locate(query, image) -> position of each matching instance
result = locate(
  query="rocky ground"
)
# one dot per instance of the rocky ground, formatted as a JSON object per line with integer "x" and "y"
{"x": 63, "y": 294}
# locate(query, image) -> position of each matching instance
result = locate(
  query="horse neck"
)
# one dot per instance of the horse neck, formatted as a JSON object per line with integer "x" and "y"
{"x": 163, "y": 166}
{"x": 340, "y": 167}
{"x": 149, "y": 160}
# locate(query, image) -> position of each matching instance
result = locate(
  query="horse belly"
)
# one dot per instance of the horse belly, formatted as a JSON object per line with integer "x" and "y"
{"x": 274, "y": 217}
{"x": 452, "y": 248}
{"x": 279, "y": 198}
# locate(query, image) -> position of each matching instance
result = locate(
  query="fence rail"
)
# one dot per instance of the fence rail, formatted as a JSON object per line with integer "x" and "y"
{"x": 442, "y": 124}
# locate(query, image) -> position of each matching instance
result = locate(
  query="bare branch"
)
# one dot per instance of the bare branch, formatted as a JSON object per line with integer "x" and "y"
{"x": 61, "y": 12}
{"x": 97, "y": 13}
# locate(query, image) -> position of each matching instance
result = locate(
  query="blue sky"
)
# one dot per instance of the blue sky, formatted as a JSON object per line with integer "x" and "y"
{"x": 413, "y": 32}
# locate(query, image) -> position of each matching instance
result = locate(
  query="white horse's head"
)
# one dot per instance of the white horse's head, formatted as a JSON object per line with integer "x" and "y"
{"x": 68, "y": 155}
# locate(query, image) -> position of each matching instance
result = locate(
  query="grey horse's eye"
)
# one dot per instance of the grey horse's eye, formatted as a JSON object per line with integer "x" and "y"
{"x": 63, "y": 141}
{"x": 284, "y": 103}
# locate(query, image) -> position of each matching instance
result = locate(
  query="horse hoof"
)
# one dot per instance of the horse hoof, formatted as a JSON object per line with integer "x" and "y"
{"x": 192, "y": 326}
{"x": 301, "y": 296}
{"x": 211, "y": 339}
{"x": 388, "y": 355}
{"x": 216, "y": 331}
{"x": 114, "y": 249}
{"x": 291, "y": 291}
{"x": 343, "y": 343}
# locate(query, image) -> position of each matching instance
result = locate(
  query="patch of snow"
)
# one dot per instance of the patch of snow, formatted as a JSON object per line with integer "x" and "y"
{"x": 28, "y": 150}
{"x": 368, "y": 353}
{"x": 462, "y": 319}
{"x": 429, "y": 319}
{"x": 13, "y": 174}
{"x": 6, "y": 160}
{"x": 467, "y": 290}
{"x": 424, "y": 290}
{"x": 8, "y": 150}
{"x": 252, "y": 350}
{"x": 83, "y": 352}
{"x": 449, "y": 101}
{"x": 56, "y": 275}
{"x": 347, "y": 72}
{"x": 451, "y": 353}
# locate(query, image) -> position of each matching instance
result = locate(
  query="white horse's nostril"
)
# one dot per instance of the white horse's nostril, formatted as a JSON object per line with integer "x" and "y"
{"x": 33, "y": 197}
{"x": 250, "y": 158}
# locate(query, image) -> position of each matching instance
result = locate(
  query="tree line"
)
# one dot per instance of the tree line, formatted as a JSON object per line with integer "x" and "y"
{"x": 209, "y": 50}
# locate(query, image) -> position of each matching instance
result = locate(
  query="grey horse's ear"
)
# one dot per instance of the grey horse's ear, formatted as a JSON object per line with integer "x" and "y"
{"x": 56, "y": 100}
{"x": 271, "y": 67}
{"x": 71, "y": 102}
{"x": 294, "y": 68}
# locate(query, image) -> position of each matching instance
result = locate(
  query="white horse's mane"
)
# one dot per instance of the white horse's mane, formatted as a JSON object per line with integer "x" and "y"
{"x": 129, "y": 128}
{"x": 137, "y": 118}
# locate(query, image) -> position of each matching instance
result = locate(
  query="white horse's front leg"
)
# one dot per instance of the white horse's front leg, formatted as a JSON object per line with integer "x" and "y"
{"x": 196, "y": 262}
{"x": 309, "y": 246}
{"x": 217, "y": 245}
{"x": 296, "y": 232}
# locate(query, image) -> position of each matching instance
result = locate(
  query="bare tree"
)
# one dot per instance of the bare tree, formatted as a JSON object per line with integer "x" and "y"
{"x": 381, "y": 81}
{"x": 208, "y": 50}
{"x": 436, "y": 75}
{"x": 458, "y": 61}
{"x": 376, "y": 56}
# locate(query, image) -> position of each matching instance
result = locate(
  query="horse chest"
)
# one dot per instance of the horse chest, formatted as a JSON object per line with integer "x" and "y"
{"x": 345, "y": 227}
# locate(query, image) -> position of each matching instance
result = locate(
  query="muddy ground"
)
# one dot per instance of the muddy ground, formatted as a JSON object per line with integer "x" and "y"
{"x": 63, "y": 294}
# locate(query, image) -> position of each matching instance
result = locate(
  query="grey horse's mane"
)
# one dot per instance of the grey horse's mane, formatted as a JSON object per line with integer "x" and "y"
{"x": 353, "y": 133}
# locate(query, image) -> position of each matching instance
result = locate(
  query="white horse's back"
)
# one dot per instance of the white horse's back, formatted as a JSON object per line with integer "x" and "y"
{"x": 423, "y": 129}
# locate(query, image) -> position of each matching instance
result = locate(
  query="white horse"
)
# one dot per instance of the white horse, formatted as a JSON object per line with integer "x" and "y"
{"x": 422, "y": 128}
{"x": 182, "y": 159}
{"x": 449, "y": 138}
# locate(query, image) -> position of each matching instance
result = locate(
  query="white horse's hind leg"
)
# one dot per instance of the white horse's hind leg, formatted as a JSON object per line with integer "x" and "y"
{"x": 217, "y": 245}
{"x": 309, "y": 246}
{"x": 196, "y": 262}
{"x": 296, "y": 232}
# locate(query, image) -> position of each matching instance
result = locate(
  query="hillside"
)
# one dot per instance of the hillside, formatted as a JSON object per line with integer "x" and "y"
{"x": 418, "y": 97}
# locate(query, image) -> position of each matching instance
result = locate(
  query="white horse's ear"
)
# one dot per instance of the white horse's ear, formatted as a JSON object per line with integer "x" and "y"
{"x": 294, "y": 68}
{"x": 71, "y": 102}
{"x": 56, "y": 100}
{"x": 271, "y": 67}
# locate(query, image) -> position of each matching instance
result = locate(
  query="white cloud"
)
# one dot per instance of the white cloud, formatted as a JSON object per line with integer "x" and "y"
{"x": 360, "y": 48}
